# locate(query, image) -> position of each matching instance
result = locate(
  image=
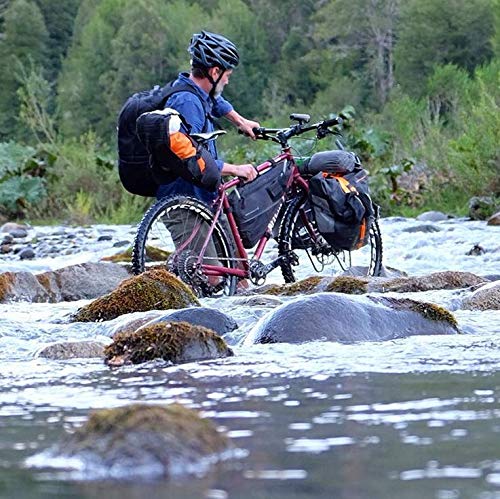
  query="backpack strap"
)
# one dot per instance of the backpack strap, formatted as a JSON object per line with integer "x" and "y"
{"x": 169, "y": 89}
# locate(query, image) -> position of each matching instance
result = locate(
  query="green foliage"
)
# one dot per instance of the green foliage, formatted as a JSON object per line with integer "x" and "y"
{"x": 21, "y": 182}
{"x": 24, "y": 39}
{"x": 436, "y": 33}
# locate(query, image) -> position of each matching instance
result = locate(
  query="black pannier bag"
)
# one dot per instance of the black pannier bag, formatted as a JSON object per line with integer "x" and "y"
{"x": 342, "y": 208}
{"x": 256, "y": 203}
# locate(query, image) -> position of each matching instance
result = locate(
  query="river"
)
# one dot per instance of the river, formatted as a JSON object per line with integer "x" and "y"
{"x": 411, "y": 418}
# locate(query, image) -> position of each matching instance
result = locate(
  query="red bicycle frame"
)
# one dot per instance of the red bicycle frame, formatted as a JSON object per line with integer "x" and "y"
{"x": 222, "y": 205}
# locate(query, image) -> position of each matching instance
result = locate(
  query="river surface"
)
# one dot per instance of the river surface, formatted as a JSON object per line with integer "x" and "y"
{"x": 411, "y": 418}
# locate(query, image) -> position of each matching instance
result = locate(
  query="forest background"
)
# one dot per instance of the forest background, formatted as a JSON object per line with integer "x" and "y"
{"x": 419, "y": 81}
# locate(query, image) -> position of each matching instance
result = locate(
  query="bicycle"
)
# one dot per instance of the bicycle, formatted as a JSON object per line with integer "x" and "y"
{"x": 211, "y": 262}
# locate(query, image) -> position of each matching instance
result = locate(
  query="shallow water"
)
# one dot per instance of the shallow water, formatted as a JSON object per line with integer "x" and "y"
{"x": 413, "y": 418}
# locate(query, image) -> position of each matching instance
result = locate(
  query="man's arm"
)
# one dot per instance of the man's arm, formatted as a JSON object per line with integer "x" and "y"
{"x": 246, "y": 126}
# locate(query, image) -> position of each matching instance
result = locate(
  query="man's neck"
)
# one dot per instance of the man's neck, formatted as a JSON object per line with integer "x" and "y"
{"x": 203, "y": 83}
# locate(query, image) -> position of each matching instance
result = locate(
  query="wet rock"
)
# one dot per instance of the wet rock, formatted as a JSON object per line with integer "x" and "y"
{"x": 21, "y": 286}
{"x": 175, "y": 342}
{"x": 7, "y": 239}
{"x": 348, "y": 319}
{"x": 142, "y": 441}
{"x": 476, "y": 250}
{"x": 202, "y": 316}
{"x": 105, "y": 237}
{"x": 487, "y": 297}
{"x": 73, "y": 350}
{"x": 82, "y": 282}
{"x": 18, "y": 233}
{"x": 432, "y": 216}
{"x": 437, "y": 280}
{"x": 304, "y": 286}
{"x": 27, "y": 254}
{"x": 12, "y": 227}
{"x": 482, "y": 207}
{"x": 6, "y": 248}
{"x": 152, "y": 290}
{"x": 494, "y": 219}
{"x": 422, "y": 228}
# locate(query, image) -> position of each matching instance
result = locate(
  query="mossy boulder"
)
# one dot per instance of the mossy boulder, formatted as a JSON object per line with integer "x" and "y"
{"x": 175, "y": 342}
{"x": 142, "y": 441}
{"x": 348, "y": 319}
{"x": 437, "y": 280}
{"x": 153, "y": 254}
{"x": 152, "y": 290}
{"x": 487, "y": 297}
{"x": 348, "y": 285}
{"x": 302, "y": 287}
{"x": 73, "y": 350}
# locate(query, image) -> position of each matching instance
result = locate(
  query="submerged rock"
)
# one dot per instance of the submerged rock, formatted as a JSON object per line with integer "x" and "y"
{"x": 175, "y": 342}
{"x": 487, "y": 297}
{"x": 207, "y": 317}
{"x": 142, "y": 441}
{"x": 347, "y": 319}
{"x": 152, "y": 290}
{"x": 73, "y": 350}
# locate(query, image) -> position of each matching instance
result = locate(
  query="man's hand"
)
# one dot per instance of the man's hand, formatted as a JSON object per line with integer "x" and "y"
{"x": 248, "y": 171}
{"x": 246, "y": 126}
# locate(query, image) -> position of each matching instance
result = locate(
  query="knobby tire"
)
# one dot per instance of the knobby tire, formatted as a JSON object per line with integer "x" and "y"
{"x": 154, "y": 245}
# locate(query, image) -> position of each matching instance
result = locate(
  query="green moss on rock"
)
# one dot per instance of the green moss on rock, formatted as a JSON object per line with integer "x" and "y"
{"x": 304, "y": 286}
{"x": 138, "y": 438}
{"x": 171, "y": 341}
{"x": 430, "y": 311}
{"x": 348, "y": 285}
{"x": 152, "y": 290}
{"x": 153, "y": 254}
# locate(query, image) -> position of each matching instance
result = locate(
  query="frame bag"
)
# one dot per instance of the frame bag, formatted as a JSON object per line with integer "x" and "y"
{"x": 254, "y": 204}
{"x": 342, "y": 208}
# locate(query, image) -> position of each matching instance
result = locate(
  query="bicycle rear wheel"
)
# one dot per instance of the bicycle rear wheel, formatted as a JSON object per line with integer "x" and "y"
{"x": 172, "y": 234}
{"x": 295, "y": 243}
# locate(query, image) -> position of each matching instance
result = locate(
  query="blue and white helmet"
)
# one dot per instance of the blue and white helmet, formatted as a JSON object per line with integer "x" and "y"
{"x": 209, "y": 50}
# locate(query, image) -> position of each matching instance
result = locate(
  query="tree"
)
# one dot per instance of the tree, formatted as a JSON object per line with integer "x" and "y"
{"x": 357, "y": 38}
{"x": 24, "y": 43}
{"x": 82, "y": 85}
{"x": 434, "y": 33}
{"x": 59, "y": 19}
{"x": 236, "y": 21}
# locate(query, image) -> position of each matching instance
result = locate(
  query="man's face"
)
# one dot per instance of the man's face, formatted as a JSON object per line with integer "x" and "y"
{"x": 226, "y": 74}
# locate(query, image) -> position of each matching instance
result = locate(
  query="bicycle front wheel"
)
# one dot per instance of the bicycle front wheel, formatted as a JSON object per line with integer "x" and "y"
{"x": 172, "y": 234}
{"x": 298, "y": 244}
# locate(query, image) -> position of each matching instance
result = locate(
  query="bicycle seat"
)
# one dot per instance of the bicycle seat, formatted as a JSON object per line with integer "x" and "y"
{"x": 301, "y": 118}
{"x": 207, "y": 136}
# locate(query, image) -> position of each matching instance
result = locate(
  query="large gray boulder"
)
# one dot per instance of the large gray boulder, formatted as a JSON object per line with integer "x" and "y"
{"x": 348, "y": 319}
{"x": 487, "y": 297}
{"x": 207, "y": 317}
{"x": 76, "y": 282}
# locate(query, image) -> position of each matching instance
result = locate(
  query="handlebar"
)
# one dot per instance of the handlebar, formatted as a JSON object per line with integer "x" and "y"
{"x": 282, "y": 135}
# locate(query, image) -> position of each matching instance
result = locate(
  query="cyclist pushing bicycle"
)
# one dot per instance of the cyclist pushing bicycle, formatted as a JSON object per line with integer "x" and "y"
{"x": 203, "y": 236}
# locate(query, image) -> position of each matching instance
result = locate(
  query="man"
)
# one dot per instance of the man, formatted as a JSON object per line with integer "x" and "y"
{"x": 213, "y": 58}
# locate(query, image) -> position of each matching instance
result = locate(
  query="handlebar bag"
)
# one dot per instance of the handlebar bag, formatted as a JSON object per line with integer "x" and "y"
{"x": 172, "y": 153}
{"x": 342, "y": 208}
{"x": 255, "y": 204}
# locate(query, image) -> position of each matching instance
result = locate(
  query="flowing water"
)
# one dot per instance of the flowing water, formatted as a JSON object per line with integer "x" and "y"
{"x": 411, "y": 418}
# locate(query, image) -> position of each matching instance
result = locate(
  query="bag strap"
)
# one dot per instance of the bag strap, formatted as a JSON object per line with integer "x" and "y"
{"x": 169, "y": 89}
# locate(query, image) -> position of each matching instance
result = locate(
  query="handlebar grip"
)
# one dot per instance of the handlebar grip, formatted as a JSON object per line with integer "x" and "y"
{"x": 336, "y": 120}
